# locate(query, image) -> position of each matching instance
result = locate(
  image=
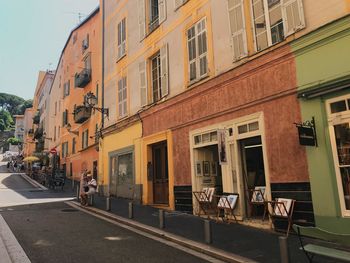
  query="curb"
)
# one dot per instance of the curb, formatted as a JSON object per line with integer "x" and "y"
{"x": 196, "y": 246}
{"x": 33, "y": 182}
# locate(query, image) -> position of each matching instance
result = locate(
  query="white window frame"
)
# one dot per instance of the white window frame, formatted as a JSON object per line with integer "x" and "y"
{"x": 179, "y": 3}
{"x": 197, "y": 57}
{"x": 121, "y": 28}
{"x": 122, "y": 97}
{"x": 336, "y": 119}
{"x": 287, "y": 31}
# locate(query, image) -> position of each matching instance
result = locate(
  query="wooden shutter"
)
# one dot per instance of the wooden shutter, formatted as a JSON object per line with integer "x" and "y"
{"x": 237, "y": 26}
{"x": 178, "y": 3}
{"x": 164, "y": 78}
{"x": 162, "y": 10}
{"x": 293, "y": 16}
{"x": 143, "y": 82}
{"x": 125, "y": 99}
{"x": 142, "y": 18}
{"x": 120, "y": 97}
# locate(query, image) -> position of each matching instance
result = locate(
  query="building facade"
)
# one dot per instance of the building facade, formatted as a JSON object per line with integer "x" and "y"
{"x": 77, "y": 78}
{"x": 323, "y": 79}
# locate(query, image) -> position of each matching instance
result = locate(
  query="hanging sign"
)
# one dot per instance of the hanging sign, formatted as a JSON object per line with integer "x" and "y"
{"x": 222, "y": 147}
{"x": 307, "y": 133}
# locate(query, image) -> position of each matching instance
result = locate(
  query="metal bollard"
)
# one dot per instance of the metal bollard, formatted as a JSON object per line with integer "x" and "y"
{"x": 131, "y": 210}
{"x": 91, "y": 200}
{"x": 207, "y": 232}
{"x": 161, "y": 219}
{"x": 284, "y": 249}
{"x": 108, "y": 204}
{"x": 78, "y": 193}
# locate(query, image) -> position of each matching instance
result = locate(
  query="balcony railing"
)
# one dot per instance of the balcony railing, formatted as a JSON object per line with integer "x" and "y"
{"x": 36, "y": 119}
{"x": 81, "y": 114}
{"x": 38, "y": 133}
{"x": 82, "y": 78}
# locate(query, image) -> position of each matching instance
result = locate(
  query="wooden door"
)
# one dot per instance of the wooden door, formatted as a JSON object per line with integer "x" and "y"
{"x": 160, "y": 173}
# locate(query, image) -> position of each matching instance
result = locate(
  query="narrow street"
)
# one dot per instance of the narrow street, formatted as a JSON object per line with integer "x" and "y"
{"x": 50, "y": 231}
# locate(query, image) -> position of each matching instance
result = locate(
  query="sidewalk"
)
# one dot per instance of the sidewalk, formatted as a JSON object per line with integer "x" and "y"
{"x": 240, "y": 241}
{"x": 248, "y": 242}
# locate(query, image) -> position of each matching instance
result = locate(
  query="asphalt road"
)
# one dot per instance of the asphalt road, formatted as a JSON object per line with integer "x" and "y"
{"x": 50, "y": 231}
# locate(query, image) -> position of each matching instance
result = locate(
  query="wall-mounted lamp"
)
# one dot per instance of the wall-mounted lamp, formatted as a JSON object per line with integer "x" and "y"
{"x": 91, "y": 100}
{"x": 69, "y": 129}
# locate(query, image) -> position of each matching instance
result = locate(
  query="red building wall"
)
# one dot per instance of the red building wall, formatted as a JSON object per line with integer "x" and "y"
{"x": 266, "y": 84}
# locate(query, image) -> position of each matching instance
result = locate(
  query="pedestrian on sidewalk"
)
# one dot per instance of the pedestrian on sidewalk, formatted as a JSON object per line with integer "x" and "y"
{"x": 83, "y": 188}
{"x": 91, "y": 188}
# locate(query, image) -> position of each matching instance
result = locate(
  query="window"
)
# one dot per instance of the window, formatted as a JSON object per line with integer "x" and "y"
{"x": 197, "y": 51}
{"x": 122, "y": 38}
{"x": 159, "y": 77}
{"x": 155, "y": 74}
{"x": 64, "y": 149}
{"x": 122, "y": 97}
{"x": 339, "y": 129}
{"x": 122, "y": 169}
{"x": 73, "y": 145}
{"x": 85, "y": 43}
{"x": 273, "y": 20}
{"x": 179, "y": 3}
{"x": 96, "y": 94}
{"x": 96, "y": 133}
{"x": 66, "y": 89}
{"x": 156, "y": 14}
{"x": 237, "y": 26}
{"x": 65, "y": 118}
{"x": 54, "y": 133}
{"x": 85, "y": 139}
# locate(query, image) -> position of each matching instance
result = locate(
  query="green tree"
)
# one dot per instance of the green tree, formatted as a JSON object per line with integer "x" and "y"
{"x": 10, "y": 103}
{"x": 6, "y": 120}
{"x": 13, "y": 141}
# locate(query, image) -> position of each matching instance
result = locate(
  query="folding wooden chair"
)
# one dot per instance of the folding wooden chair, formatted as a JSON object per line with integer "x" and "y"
{"x": 227, "y": 204}
{"x": 205, "y": 200}
{"x": 281, "y": 208}
{"x": 257, "y": 198}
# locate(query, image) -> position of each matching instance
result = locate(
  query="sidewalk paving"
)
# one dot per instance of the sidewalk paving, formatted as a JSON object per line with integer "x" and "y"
{"x": 252, "y": 243}
{"x": 255, "y": 244}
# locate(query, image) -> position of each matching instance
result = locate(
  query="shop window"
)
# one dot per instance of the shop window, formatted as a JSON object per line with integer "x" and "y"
{"x": 253, "y": 126}
{"x": 207, "y": 137}
{"x": 339, "y": 106}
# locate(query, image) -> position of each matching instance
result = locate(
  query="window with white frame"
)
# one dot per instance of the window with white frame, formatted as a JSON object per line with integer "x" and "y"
{"x": 122, "y": 38}
{"x": 158, "y": 67}
{"x": 274, "y": 20}
{"x": 64, "y": 149}
{"x": 197, "y": 50}
{"x": 122, "y": 97}
{"x": 339, "y": 119}
{"x": 150, "y": 20}
{"x": 85, "y": 139}
{"x": 237, "y": 27}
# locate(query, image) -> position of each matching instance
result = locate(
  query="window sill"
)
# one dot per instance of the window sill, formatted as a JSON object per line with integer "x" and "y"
{"x": 192, "y": 83}
{"x": 121, "y": 57}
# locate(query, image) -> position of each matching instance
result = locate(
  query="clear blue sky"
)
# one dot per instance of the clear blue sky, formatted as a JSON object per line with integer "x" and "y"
{"x": 32, "y": 35}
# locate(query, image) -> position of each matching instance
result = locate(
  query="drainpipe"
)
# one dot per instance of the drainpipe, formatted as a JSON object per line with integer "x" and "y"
{"x": 103, "y": 62}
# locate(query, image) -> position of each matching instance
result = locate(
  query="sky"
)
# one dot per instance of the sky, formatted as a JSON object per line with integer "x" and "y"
{"x": 32, "y": 36}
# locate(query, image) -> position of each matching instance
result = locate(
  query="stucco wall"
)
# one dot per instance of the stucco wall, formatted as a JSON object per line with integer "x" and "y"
{"x": 267, "y": 85}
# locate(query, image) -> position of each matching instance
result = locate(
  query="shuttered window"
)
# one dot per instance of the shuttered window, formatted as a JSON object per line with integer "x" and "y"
{"x": 197, "y": 50}
{"x": 121, "y": 38}
{"x": 85, "y": 139}
{"x": 122, "y": 97}
{"x": 156, "y": 14}
{"x": 179, "y": 3}
{"x": 143, "y": 83}
{"x": 275, "y": 19}
{"x": 237, "y": 26}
